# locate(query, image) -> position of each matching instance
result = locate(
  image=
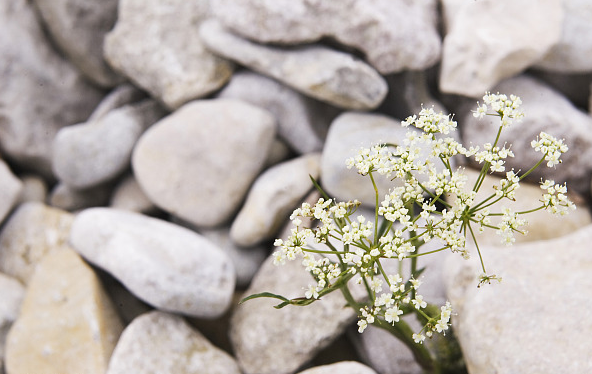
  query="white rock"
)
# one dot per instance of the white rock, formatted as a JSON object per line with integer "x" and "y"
{"x": 156, "y": 44}
{"x": 199, "y": 162}
{"x": 268, "y": 340}
{"x": 32, "y": 231}
{"x": 521, "y": 325}
{"x": 41, "y": 92}
{"x": 485, "y": 43}
{"x": 322, "y": 73}
{"x": 302, "y": 122}
{"x": 34, "y": 189}
{"x": 78, "y": 28}
{"x": 165, "y": 265}
{"x": 91, "y": 153}
{"x": 10, "y": 190}
{"x": 273, "y": 196}
{"x": 545, "y": 110}
{"x": 158, "y": 342}
{"x": 67, "y": 198}
{"x": 394, "y": 35}
{"x": 573, "y": 52}
{"x": 12, "y": 292}
{"x": 344, "y": 367}
{"x": 121, "y": 95}
{"x": 128, "y": 195}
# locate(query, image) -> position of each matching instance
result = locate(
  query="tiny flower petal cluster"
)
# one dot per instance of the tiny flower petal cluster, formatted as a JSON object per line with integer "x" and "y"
{"x": 551, "y": 147}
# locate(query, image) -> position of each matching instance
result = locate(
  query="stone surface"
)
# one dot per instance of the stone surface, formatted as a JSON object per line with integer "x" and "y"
{"x": 119, "y": 96}
{"x": 344, "y": 367}
{"x": 168, "y": 266}
{"x": 545, "y": 110}
{"x": 199, "y": 162}
{"x": 12, "y": 292}
{"x": 394, "y": 35}
{"x": 78, "y": 28}
{"x": 158, "y": 342}
{"x": 41, "y": 92}
{"x": 10, "y": 190}
{"x": 246, "y": 260}
{"x": 484, "y": 45}
{"x": 302, "y": 122}
{"x": 67, "y": 324}
{"x": 128, "y": 195}
{"x": 91, "y": 153}
{"x": 34, "y": 189}
{"x": 317, "y": 71}
{"x": 258, "y": 331}
{"x": 67, "y": 198}
{"x": 156, "y": 44}
{"x": 33, "y": 231}
{"x": 573, "y": 52}
{"x": 520, "y": 325}
{"x": 272, "y": 198}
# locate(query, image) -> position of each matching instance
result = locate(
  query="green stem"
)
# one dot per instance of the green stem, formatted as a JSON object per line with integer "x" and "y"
{"x": 375, "y": 209}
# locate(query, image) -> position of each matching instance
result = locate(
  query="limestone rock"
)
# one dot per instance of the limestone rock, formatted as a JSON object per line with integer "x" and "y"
{"x": 121, "y": 95}
{"x": 33, "y": 231}
{"x": 67, "y": 324}
{"x": 12, "y": 292}
{"x": 156, "y": 44}
{"x": 10, "y": 190}
{"x": 78, "y": 27}
{"x": 273, "y": 196}
{"x": 484, "y": 44}
{"x": 343, "y": 367}
{"x": 71, "y": 199}
{"x": 158, "y": 342}
{"x": 302, "y": 122}
{"x": 91, "y": 153}
{"x": 322, "y": 73}
{"x": 165, "y": 265}
{"x": 41, "y": 92}
{"x": 199, "y": 162}
{"x": 34, "y": 189}
{"x": 394, "y": 35}
{"x": 128, "y": 195}
{"x": 520, "y": 325}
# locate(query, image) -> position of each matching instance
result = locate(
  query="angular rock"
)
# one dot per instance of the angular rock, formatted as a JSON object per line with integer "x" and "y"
{"x": 545, "y": 110}
{"x": 41, "y": 92}
{"x": 67, "y": 323}
{"x": 12, "y": 292}
{"x": 520, "y": 325}
{"x": 156, "y": 44}
{"x": 10, "y": 190}
{"x": 268, "y": 340}
{"x": 67, "y": 198}
{"x": 78, "y": 28}
{"x": 273, "y": 196}
{"x": 316, "y": 71}
{"x": 128, "y": 195}
{"x": 343, "y": 367}
{"x": 91, "y": 153}
{"x": 247, "y": 261}
{"x": 165, "y": 265}
{"x": 394, "y": 35}
{"x": 33, "y": 231}
{"x": 199, "y": 162}
{"x": 158, "y": 342}
{"x": 479, "y": 51}
{"x": 302, "y": 122}
{"x": 573, "y": 52}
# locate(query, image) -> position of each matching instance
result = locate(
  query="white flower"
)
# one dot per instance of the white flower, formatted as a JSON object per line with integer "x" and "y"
{"x": 418, "y": 338}
{"x": 418, "y": 302}
{"x": 392, "y": 314}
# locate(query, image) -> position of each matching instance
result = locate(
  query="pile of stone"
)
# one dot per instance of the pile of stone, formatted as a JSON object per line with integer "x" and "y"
{"x": 152, "y": 150}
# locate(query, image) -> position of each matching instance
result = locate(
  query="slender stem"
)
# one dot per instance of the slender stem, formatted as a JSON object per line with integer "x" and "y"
{"x": 375, "y": 209}
{"x": 477, "y": 246}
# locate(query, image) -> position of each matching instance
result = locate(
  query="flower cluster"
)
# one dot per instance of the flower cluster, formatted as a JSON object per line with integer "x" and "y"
{"x": 550, "y": 147}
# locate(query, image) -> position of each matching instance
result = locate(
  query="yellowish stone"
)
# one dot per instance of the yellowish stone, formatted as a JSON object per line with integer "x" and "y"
{"x": 67, "y": 323}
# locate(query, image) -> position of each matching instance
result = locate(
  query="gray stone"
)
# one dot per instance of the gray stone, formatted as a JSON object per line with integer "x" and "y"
{"x": 199, "y": 162}
{"x": 545, "y": 110}
{"x": 78, "y": 28}
{"x": 10, "y": 190}
{"x": 343, "y": 367}
{"x": 158, "y": 342}
{"x": 12, "y": 292}
{"x": 273, "y": 196}
{"x": 41, "y": 92}
{"x": 317, "y": 71}
{"x": 573, "y": 52}
{"x": 268, "y": 340}
{"x": 246, "y": 260}
{"x": 302, "y": 122}
{"x": 32, "y": 231}
{"x": 520, "y": 325}
{"x": 394, "y": 35}
{"x": 128, "y": 195}
{"x": 91, "y": 153}
{"x": 34, "y": 189}
{"x": 278, "y": 152}
{"x": 165, "y": 265}
{"x": 121, "y": 95}
{"x": 67, "y": 198}
{"x": 479, "y": 51}
{"x": 156, "y": 44}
